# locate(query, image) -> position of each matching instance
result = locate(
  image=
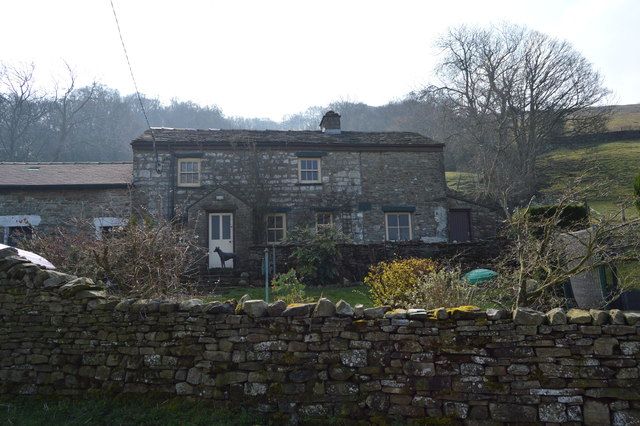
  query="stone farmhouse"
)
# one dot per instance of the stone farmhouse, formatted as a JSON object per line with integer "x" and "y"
{"x": 240, "y": 189}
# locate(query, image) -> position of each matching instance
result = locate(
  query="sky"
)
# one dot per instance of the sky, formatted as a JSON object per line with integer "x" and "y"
{"x": 257, "y": 58}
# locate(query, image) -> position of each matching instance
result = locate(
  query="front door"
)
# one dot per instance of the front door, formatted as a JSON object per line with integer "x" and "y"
{"x": 220, "y": 236}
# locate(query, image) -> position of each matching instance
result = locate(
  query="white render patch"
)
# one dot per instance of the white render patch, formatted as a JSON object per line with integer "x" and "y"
{"x": 440, "y": 218}
{"x": 19, "y": 220}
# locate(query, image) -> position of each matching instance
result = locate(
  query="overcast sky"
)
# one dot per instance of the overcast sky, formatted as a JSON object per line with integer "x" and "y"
{"x": 272, "y": 58}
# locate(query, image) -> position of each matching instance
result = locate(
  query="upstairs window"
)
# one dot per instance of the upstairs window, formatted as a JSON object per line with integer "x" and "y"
{"x": 309, "y": 170}
{"x": 398, "y": 226}
{"x": 323, "y": 220}
{"x": 276, "y": 227}
{"x": 189, "y": 172}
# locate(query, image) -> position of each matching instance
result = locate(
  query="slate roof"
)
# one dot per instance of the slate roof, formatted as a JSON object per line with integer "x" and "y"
{"x": 40, "y": 175}
{"x": 164, "y": 135}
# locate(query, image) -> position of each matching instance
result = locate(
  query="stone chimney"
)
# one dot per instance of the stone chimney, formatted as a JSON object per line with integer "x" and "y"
{"x": 330, "y": 123}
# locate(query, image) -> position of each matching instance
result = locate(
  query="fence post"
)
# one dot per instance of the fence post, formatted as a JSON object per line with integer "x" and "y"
{"x": 266, "y": 275}
{"x": 273, "y": 260}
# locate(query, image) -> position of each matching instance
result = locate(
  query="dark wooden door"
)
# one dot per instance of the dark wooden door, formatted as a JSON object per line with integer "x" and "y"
{"x": 459, "y": 225}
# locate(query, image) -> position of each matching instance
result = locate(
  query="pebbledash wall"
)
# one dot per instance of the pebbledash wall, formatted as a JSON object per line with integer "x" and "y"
{"x": 60, "y": 335}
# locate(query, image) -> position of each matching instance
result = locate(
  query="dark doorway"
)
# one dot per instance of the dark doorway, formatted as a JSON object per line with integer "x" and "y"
{"x": 459, "y": 225}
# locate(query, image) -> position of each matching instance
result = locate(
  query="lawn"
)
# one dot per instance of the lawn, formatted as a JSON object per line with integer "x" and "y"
{"x": 353, "y": 294}
{"x": 120, "y": 410}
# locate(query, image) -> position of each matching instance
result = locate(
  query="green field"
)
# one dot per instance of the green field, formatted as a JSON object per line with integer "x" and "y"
{"x": 608, "y": 170}
{"x": 120, "y": 410}
{"x": 461, "y": 181}
{"x": 624, "y": 117}
{"x": 353, "y": 294}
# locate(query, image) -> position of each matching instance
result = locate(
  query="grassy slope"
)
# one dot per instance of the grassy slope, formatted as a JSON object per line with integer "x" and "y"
{"x": 625, "y": 117}
{"x": 612, "y": 165}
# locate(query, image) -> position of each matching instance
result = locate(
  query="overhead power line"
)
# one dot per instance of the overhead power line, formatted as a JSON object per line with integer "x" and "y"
{"x": 135, "y": 85}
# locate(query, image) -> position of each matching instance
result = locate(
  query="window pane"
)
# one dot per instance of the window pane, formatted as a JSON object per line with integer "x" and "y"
{"x": 403, "y": 219}
{"x": 404, "y": 234}
{"x": 393, "y": 234}
{"x": 392, "y": 220}
{"x": 278, "y": 222}
{"x": 226, "y": 227}
{"x": 215, "y": 227}
{"x": 279, "y": 235}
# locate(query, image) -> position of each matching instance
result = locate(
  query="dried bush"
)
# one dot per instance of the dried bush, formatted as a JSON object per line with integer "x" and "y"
{"x": 395, "y": 283}
{"x": 145, "y": 258}
{"x": 542, "y": 254}
{"x": 444, "y": 287}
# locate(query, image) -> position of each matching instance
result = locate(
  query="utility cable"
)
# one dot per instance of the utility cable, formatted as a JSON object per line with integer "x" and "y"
{"x": 135, "y": 85}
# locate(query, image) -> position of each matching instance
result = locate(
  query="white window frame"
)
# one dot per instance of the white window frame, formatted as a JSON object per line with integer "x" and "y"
{"x": 386, "y": 224}
{"x": 320, "y": 226}
{"x": 284, "y": 226}
{"x": 17, "y": 221}
{"x": 319, "y": 170}
{"x": 107, "y": 222}
{"x": 197, "y": 161}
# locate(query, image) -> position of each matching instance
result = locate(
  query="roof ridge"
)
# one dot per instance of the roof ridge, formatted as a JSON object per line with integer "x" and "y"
{"x": 29, "y": 163}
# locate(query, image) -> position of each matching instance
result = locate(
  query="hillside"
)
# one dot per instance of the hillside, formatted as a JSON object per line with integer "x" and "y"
{"x": 611, "y": 166}
{"x": 625, "y": 117}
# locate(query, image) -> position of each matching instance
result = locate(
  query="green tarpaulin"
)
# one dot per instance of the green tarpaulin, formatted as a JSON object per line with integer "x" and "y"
{"x": 478, "y": 276}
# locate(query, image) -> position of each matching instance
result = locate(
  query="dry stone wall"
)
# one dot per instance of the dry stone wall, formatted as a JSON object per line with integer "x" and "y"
{"x": 61, "y": 335}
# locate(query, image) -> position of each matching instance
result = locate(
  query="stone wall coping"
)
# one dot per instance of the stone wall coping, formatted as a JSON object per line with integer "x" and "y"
{"x": 95, "y": 296}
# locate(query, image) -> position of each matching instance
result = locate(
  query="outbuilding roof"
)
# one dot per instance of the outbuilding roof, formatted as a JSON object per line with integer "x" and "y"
{"x": 43, "y": 175}
{"x": 213, "y": 138}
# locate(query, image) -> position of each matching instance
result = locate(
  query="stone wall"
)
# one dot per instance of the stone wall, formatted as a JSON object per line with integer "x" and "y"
{"x": 60, "y": 335}
{"x": 355, "y": 259}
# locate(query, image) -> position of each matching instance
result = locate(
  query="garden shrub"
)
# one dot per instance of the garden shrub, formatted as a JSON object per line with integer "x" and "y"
{"x": 288, "y": 287}
{"x": 568, "y": 216}
{"x": 395, "y": 283}
{"x": 317, "y": 255}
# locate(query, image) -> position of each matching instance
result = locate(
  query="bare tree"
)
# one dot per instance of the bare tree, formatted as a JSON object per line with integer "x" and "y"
{"x": 548, "y": 247}
{"x": 513, "y": 90}
{"x": 21, "y": 110}
{"x": 66, "y": 107}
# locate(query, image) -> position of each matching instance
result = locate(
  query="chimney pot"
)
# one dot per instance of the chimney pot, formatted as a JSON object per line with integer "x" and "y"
{"x": 330, "y": 123}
